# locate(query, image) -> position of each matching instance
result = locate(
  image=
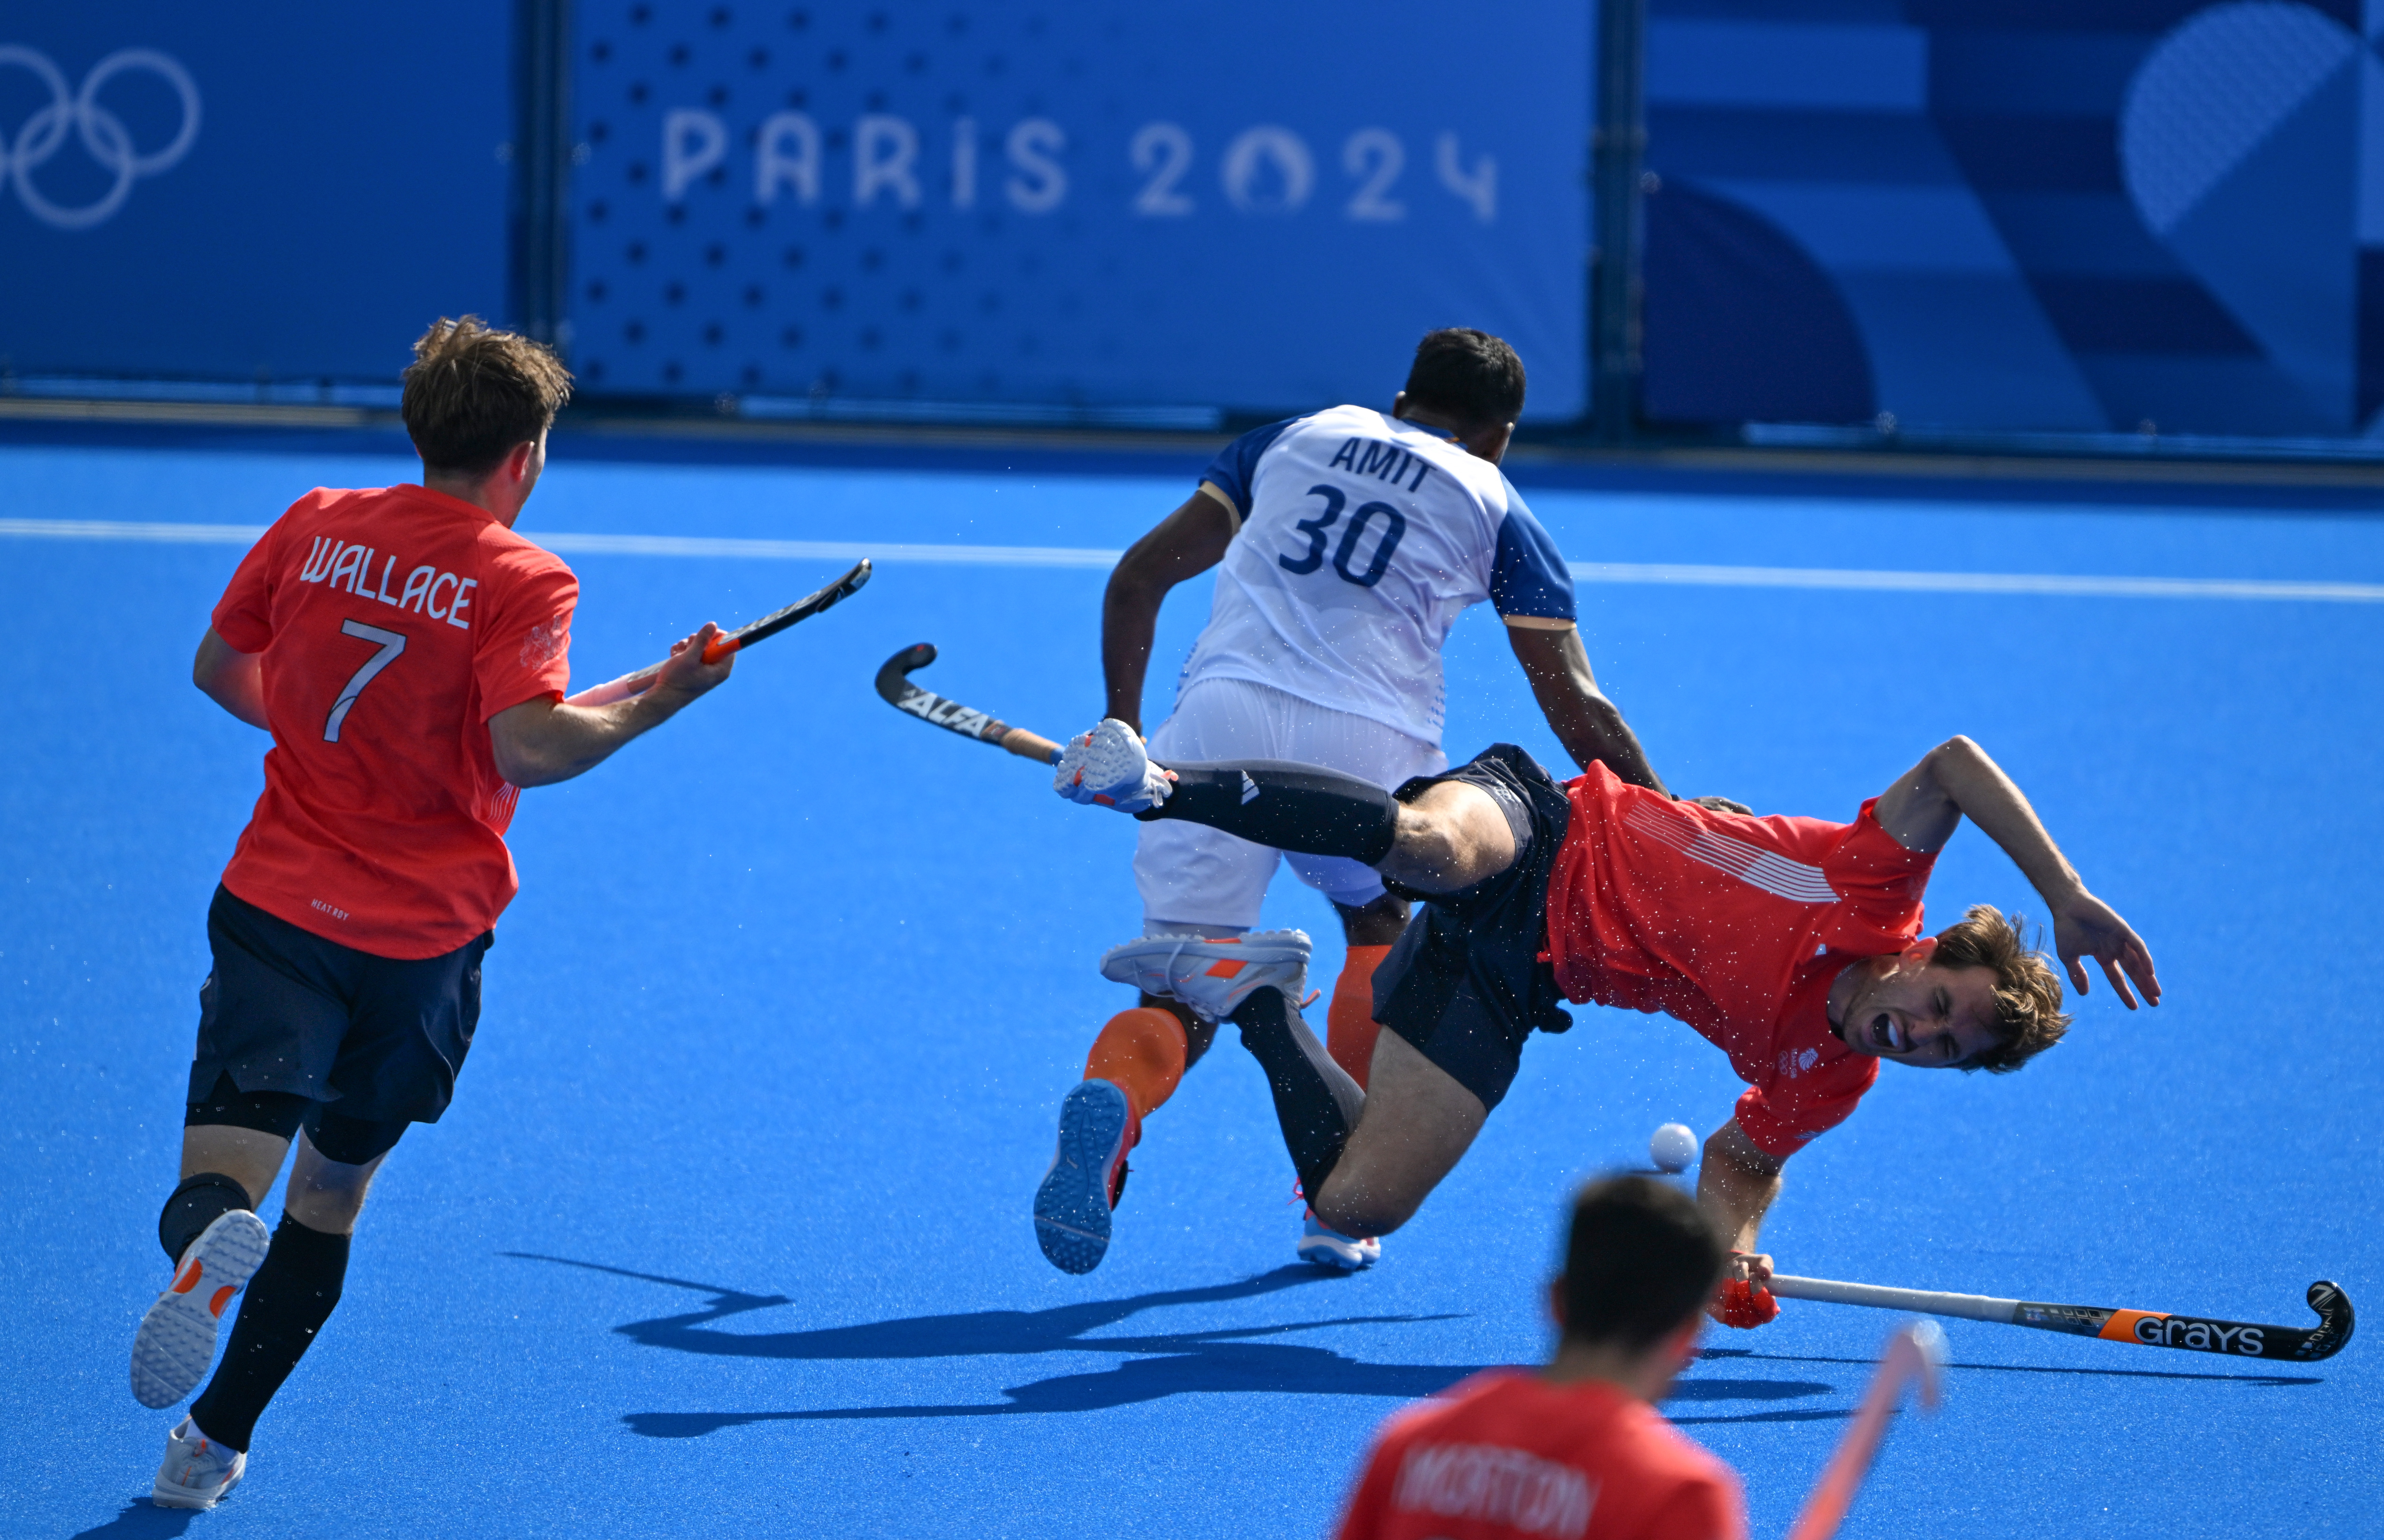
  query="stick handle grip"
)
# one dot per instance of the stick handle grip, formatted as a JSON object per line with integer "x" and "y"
{"x": 1034, "y": 746}
{"x": 720, "y": 647}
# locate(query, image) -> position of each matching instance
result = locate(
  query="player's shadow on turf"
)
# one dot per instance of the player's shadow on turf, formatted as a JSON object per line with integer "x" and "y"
{"x": 1225, "y": 1360}
{"x": 142, "y": 1520}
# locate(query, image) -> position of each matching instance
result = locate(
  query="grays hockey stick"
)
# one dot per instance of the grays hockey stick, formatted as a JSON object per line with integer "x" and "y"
{"x": 894, "y": 684}
{"x": 743, "y": 636}
{"x": 2151, "y": 1328}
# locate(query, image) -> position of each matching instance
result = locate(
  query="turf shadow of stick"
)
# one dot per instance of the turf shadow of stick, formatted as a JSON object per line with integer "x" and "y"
{"x": 2263, "y": 1381}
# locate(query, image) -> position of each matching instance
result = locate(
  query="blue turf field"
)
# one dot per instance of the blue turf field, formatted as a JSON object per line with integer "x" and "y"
{"x": 726, "y": 1233}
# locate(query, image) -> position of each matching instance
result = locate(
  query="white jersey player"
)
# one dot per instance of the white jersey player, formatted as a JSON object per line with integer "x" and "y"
{"x": 1347, "y": 543}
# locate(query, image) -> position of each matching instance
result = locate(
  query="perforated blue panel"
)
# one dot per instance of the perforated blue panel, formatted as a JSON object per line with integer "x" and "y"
{"x": 1241, "y": 205}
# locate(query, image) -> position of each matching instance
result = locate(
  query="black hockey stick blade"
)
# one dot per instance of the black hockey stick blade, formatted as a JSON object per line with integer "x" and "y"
{"x": 804, "y": 608}
{"x": 894, "y": 685}
{"x": 743, "y": 636}
{"x": 2149, "y": 1328}
{"x": 2199, "y": 1334}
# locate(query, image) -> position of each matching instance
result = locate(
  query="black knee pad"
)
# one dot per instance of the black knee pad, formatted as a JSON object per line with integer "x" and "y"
{"x": 197, "y": 1204}
{"x": 349, "y": 1141}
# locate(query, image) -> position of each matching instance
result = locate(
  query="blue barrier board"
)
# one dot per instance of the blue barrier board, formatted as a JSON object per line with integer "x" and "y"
{"x": 275, "y": 191}
{"x": 1236, "y": 205}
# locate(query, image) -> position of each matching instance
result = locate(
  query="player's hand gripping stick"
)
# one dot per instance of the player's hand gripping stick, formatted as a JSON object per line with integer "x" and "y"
{"x": 743, "y": 636}
{"x": 1915, "y": 1352}
{"x": 894, "y": 684}
{"x": 2151, "y": 1328}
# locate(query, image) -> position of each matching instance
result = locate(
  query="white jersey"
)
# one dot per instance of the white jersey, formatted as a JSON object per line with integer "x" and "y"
{"x": 1363, "y": 539}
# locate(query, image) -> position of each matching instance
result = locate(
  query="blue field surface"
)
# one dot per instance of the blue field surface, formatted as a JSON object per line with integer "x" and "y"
{"x": 727, "y": 1231}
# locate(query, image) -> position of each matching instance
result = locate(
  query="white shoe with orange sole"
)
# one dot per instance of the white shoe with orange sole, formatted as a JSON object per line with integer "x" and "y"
{"x": 177, "y": 1341}
{"x": 1213, "y": 975}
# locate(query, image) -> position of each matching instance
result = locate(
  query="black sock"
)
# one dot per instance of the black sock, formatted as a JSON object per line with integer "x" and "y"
{"x": 1291, "y": 807}
{"x": 197, "y": 1204}
{"x": 1315, "y": 1100}
{"x": 286, "y": 1304}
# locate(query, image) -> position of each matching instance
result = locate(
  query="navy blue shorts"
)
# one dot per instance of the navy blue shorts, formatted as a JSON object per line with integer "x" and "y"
{"x": 1465, "y": 982}
{"x": 378, "y": 1038}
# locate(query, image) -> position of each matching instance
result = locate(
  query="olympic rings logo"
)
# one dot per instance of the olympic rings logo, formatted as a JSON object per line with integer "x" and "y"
{"x": 104, "y": 137}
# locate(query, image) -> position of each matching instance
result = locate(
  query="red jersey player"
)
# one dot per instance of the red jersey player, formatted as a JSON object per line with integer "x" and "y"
{"x": 1792, "y": 944}
{"x": 408, "y": 652}
{"x": 1573, "y": 1451}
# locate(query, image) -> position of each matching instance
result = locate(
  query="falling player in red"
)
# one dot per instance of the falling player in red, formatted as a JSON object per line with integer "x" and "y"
{"x": 1793, "y": 944}
{"x": 408, "y": 652}
{"x": 1573, "y": 1450}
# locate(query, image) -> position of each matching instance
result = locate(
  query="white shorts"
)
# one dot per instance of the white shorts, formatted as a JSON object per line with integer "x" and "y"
{"x": 1193, "y": 877}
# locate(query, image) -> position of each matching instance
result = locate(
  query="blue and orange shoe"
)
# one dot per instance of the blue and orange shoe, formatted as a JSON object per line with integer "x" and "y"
{"x": 1088, "y": 1176}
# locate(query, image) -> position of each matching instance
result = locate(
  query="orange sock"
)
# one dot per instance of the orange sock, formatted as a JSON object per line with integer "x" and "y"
{"x": 1350, "y": 1024}
{"x": 1141, "y": 1051}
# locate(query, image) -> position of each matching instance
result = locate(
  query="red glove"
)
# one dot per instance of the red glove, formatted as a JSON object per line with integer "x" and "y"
{"x": 1743, "y": 1305}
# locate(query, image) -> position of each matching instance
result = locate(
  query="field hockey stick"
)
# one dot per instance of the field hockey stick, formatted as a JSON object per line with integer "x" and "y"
{"x": 743, "y": 636}
{"x": 2152, "y": 1328}
{"x": 1915, "y": 1352}
{"x": 894, "y": 684}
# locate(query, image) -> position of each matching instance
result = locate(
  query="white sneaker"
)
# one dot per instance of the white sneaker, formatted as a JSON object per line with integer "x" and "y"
{"x": 197, "y": 1472}
{"x": 1324, "y": 1246}
{"x": 1212, "y": 977}
{"x": 1109, "y": 766}
{"x": 177, "y": 1341}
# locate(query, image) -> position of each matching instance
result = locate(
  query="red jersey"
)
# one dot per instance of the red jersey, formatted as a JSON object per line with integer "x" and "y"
{"x": 1508, "y": 1456}
{"x": 393, "y": 625}
{"x": 1737, "y": 925}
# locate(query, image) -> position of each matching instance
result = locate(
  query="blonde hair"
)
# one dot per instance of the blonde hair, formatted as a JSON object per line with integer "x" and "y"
{"x": 473, "y": 392}
{"x": 2028, "y": 1018}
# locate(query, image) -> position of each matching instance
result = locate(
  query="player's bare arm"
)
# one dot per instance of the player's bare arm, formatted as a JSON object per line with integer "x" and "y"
{"x": 232, "y": 679}
{"x": 1589, "y": 725}
{"x": 1737, "y": 1183}
{"x": 543, "y": 741}
{"x": 1957, "y": 779}
{"x": 1184, "y": 544}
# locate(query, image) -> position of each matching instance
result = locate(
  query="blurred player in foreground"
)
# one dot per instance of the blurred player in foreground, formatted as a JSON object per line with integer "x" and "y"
{"x": 1792, "y": 944}
{"x": 408, "y": 652}
{"x": 1573, "y": 1450}
{"x": 1347, "y": 543}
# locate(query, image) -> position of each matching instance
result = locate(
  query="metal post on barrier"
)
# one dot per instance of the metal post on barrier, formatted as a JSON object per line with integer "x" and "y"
{"x": 542, "y": 160}
{"x": 1621, "y": 153}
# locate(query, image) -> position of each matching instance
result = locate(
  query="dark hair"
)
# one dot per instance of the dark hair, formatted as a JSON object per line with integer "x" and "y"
{"x": 473, "y": 392}
{"x": 1470, "y": 375}
{"x": 2028, "y": 1018}
{"x": 1640, "y": 1261}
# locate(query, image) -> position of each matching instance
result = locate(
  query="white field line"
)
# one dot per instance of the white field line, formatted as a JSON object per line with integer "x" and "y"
{"x": 1841, "y": 579}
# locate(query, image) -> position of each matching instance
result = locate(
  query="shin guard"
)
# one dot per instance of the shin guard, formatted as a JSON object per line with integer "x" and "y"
{"x": 1350, "y": 1026}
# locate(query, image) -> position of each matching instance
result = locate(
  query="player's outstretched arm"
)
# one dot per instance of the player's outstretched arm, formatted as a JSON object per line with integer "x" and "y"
{"x": 1186, "y": 544}
{"x": 1737, "y": 1183}
{"x": 1956, "y": 779}
{"x": 1584, "y": 721}
{"x": 232, "y": 680}
{"x": 543, "y": 741}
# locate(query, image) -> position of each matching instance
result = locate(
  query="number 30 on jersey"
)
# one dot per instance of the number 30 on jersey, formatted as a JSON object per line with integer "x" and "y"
{"x": 1392, "y": 523}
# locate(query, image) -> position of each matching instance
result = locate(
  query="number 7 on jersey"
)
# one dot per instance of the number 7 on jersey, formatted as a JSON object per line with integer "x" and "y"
{"x": 391, "y": 644}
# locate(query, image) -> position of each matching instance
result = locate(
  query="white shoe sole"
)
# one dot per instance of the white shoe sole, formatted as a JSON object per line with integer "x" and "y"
{"x": 1212, "y": 977}
{"x": 163, "y": 1496}
{"x": 1339, "y": 1252}
{"x": 176, "y": 1341}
